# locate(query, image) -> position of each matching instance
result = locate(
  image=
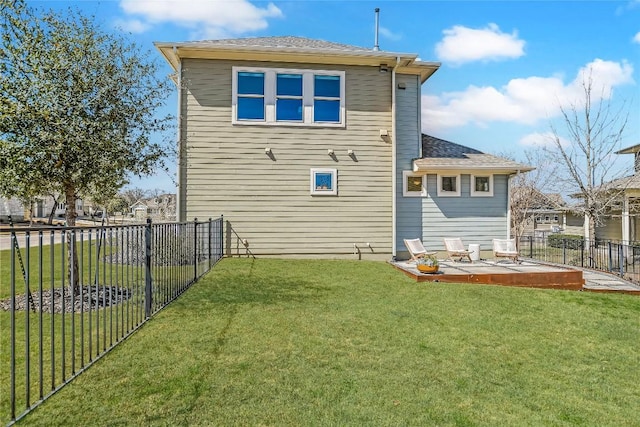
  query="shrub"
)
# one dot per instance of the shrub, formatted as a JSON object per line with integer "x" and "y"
{"x": 569, "y": 241}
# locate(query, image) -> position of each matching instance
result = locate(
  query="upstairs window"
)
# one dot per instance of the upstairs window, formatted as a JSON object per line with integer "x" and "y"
{"x": 481, "y": 185}
{"x": 326, "y": 98}
{"x": 291, "y": 97}
{"x": 250, "y": 98}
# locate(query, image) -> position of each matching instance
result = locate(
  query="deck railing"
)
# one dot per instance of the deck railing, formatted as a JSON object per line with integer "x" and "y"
{"x": 57, "y": 319}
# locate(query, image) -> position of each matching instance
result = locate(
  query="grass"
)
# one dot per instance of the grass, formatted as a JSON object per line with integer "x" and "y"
{"x": 284, "y": 342}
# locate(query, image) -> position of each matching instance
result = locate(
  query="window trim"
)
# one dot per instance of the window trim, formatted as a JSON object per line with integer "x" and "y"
{"x": 405, "y": 190}
{"x": 443, "y": 193}
{"x": 472, "y": 184}
{"x": 334, "y": 182}
{"x": 270, "y": 97}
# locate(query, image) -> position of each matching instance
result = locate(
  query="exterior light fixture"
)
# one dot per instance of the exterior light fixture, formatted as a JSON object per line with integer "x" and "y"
{"x": 330, "y": 151}
{"x": 384, "y": 68}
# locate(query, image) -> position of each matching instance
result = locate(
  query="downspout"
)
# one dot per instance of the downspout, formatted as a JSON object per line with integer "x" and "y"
{"x": 393, "y": 159}
{"x": 509, "y": 179}
{"x": 180, "y": 215}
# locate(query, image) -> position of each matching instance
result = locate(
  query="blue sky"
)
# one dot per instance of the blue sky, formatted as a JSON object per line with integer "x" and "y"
{"x": 506, "y": 68}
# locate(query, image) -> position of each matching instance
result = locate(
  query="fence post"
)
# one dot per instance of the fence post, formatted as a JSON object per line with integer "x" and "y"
{"x": 195, "y": 249}
{"x": 530, "y": 246}
{"x": 221, "y": 253}
{"x": 582, "y": 253}
{"x": 209, "y": 241}
{"x": 564, "y": 251}
{"x": 621, "y": 258}
{"x": 148, "y": 284}
{"x": 609, "y": 257}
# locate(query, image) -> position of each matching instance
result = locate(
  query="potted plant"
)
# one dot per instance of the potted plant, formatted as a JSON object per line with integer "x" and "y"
{"x": 427, "y": 264}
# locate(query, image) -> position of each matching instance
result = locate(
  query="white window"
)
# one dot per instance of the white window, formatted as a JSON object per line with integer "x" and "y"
{"x": 324, "y": 182}
{"x": 481, "y": 185}
{"x": 290, "y": 97}
{"x": 448, "y": 185}
{"x": 413, "y": 185}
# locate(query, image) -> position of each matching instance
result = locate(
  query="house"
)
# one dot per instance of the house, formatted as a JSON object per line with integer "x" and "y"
{"x": 623, "y": 221}
{"x": 139, "y": 210}
{"x": 545, "y": 213}
{"x": 456, "y": 191}
{"x": 11, "y": 209}
{"x": 161, "y": 207}
{"x": 313, "y": 148}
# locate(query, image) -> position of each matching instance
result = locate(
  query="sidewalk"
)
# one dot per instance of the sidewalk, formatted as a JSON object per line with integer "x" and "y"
{"x": 598, "y": 281}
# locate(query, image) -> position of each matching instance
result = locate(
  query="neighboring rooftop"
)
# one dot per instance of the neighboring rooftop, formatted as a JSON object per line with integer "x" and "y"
{"x": 440, "y": 154}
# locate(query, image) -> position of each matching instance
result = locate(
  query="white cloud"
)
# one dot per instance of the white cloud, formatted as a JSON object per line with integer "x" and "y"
{"x": 389, "y": 35}
{"x": 461, "y": 44}
{"x": 132, "y": 25}
{"x": 539, "y": 140}
{"x": 206, "y": 19}
{"x": 524, "y": 100}
{"x": 636, "y": 38}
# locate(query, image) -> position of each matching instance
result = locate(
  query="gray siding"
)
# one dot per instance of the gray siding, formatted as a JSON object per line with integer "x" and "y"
{"x": 267, "y": 201}
{"x": 476, "y": 220}
{"x": 611, "y": 229}
{"x": 409, "y": 209}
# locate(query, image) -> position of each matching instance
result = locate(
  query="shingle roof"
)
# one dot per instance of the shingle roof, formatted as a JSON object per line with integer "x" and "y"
{"x": 441, "y": 154}
{"x": 625, "y": 183}
{"x": 285, "y": 42}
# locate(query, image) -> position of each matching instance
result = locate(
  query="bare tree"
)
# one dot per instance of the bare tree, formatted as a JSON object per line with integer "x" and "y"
{"x": 528, "y": 191}
{"x": 594, "y": 130}
{"x": 132, "y": 195}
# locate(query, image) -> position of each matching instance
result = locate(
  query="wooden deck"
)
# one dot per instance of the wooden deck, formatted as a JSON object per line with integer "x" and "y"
{"x": 522, "y": 274}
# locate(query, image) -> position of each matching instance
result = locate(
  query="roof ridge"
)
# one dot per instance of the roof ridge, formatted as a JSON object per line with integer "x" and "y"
{"x": 284, "y": 41}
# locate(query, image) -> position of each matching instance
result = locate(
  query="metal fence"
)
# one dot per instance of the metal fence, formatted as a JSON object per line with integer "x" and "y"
{"x": 605, "y": 255}
{"x": 75, "y": 292}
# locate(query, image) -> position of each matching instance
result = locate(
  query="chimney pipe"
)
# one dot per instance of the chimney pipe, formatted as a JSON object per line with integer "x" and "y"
{"x": 376, "y": 47}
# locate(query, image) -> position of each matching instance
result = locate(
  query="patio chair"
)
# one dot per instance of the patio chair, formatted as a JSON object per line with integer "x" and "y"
{"x": 416, "y": 249}
{"x": 455, "y": 248}
{"x": 505, "y": 248}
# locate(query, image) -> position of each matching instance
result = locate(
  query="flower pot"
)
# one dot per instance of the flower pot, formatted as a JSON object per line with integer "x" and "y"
{"x": 427, "y": 268}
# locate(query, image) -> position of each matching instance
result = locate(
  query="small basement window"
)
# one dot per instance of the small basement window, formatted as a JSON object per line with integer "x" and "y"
{"x": 324, "y": 182}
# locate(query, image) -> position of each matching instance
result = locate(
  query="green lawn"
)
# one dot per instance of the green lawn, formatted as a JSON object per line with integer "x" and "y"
{"x": 284, "y": 342}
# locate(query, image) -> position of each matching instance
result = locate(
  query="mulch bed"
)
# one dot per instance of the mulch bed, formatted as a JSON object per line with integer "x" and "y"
{"x": 90, "y": 297}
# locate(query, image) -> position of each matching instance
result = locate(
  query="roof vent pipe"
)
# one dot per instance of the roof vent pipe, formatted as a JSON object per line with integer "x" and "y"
{"x": 376, "y": 47}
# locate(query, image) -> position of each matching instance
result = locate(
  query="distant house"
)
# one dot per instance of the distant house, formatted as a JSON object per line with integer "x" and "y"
{"x": 548, "y": 213}
{"x": 11, "y": 208}
{"x": 313, "y": 148}
{"x": 139, "y": 210}
{"x": 161, "y": 207}
{"x": 623, "y": 221}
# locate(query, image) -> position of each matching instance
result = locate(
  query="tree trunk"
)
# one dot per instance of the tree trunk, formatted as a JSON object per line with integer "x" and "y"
{"x": 72, "y": 250}
{"x": 53, "y": 210}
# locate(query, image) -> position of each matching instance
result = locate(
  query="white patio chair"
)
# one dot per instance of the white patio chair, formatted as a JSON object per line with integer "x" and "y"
{"x": 505, "y": 248}
{"x": 416, "y": 249}
{"x": 455, "y": 248}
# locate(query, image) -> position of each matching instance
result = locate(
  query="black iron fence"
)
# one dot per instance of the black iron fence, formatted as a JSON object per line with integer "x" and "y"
{"x": 605, "y": 255}
{"x": 70, "y": 294}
